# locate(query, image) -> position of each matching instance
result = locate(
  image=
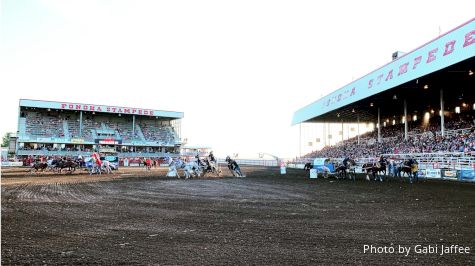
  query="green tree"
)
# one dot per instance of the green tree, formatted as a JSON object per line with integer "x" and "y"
{"x": 6, "y": 139}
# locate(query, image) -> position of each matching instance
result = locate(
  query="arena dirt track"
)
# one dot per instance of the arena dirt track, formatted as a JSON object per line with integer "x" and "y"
{"x": 134, "y": 217}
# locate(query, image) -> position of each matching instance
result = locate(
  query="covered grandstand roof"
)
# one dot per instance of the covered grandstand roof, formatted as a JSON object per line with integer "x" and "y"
{"x": 99, "y": 108}
{"x": 447, "y": 63}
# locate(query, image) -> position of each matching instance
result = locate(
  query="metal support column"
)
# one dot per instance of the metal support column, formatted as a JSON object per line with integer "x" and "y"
{"x": 342, "y": 139}
{"x": 80, "y": 124}
{"x": 133, "y": 127}
{"x": 358, "y": 119}
{"x": 442, "y": 120}
{"x": 300, "y": 139}
{"x": 379, "y": 126}
{"x": 405, "y": 120}
{"x": 324, "y": 134}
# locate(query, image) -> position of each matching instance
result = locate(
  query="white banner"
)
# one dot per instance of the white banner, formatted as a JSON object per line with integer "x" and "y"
{"x": 433, "y": 173}
{"x": 282, "y": 170}
{"x": 8, "y": 164}
{"x": 313, "y": 173}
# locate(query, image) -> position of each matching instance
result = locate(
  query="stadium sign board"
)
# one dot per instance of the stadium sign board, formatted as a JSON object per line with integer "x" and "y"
{"x": 467, "y": 174}
{"x": 107, "y": 150}
{"x": 448, "y": 49}
{"x": 450, "y": 174}
{"x": 77, "y": 141}
{"x": 433, "y": 173}
{"x": 98, "y": 108}
{"x": 108, "y": 141}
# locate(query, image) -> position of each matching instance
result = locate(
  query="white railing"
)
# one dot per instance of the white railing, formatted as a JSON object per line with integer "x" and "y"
{"x": 256, "y": 162}
{"x": 446, "y": 160}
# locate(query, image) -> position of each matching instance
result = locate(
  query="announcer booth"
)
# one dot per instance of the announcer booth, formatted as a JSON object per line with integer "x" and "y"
{"x": 47, "y": 128}
{"x": 435, "y": 80}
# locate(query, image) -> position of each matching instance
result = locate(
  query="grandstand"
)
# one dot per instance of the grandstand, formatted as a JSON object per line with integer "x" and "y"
{"x": 422, "y": 105}
{"x": 69, "y": 129}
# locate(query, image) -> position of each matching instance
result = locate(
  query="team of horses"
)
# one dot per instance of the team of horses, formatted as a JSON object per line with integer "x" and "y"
{"x": 376, "y": 171}
{"x": 192, "y": 169}
{"x": 56, "y": 165}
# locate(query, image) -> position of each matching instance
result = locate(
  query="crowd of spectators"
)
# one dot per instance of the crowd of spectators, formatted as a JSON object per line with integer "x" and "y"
{"x": 50, "y": 124}
{"x": 43, "y": 125}
{"x": 424, "y": 138}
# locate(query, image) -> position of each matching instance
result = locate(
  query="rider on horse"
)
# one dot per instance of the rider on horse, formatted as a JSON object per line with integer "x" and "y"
{"x": 233, "y": 166}
{"x": 211, "y": 157}
{"x": 346, "y": 160}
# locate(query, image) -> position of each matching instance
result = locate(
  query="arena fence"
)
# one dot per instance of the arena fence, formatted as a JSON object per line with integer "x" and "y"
{"x": 257, "y": 162}
{"x": 448, "y": 165}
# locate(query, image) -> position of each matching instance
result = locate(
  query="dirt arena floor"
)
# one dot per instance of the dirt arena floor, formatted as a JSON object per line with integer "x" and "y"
{"x": 140, "y": 218}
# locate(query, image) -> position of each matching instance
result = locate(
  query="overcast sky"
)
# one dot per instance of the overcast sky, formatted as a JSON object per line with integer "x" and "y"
{"x": 237, "y": 69}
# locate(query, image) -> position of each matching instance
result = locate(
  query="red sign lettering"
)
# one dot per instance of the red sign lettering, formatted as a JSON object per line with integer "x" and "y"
{"x": 417, "y": 61}
{"x": 390, "y": 75}
{"x": 449, "y": 47}
{"x": 469, "y": 38}
{"x": 403, "y": 69}
{"x": 431, "y": 57}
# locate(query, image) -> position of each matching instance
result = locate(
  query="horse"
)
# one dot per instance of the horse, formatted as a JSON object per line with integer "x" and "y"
{"x": 71, "y": 165}
{"x": 172, "y": 171}
{"x": 211, "y": 167}
{"x": 189, "y": 169}
{"x": 347, "y": 169}
{"x": 106, "y": 165}
{"x": 234, "y": 168}
{"x": 408, "y": 167}
{"x": 307, "y": 166}
{"x": 372, "y": 169}
{"x": 39, "y": 166}
{"x": 381, "y": 166}
{"x": 192, "y": 168}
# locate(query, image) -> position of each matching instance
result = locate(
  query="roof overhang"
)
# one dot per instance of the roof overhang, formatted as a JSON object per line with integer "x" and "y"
{"x": 456, "y": 46}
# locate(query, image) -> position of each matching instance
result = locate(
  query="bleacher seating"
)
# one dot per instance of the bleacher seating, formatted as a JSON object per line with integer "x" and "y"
{"x": 39, "y": 124}
{"x": 422, "y": 138}
{"x": 155, "y": 131}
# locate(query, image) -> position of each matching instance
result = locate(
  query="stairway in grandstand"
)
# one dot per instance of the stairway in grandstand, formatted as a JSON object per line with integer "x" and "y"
{"x": 174, "y": 135}
{"x": 93, "y": 133}
{"x": 66, "y": 129}
{"x": 22, "y": 126}
{"x": 139, "y": 132}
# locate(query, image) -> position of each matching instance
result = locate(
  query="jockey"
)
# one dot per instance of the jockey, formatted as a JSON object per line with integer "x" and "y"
{"x": 97, "y": 159}
{"x": 198, "y": 160}
{"x": 170, "y": 160}
{"x": 345, "y": 161}
{"x": 211, "y": 157}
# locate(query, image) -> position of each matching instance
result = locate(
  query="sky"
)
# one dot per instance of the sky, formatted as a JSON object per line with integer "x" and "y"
{"x": 237, "y": 69}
